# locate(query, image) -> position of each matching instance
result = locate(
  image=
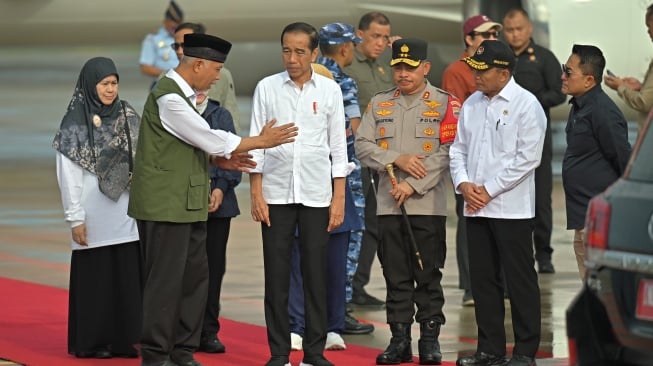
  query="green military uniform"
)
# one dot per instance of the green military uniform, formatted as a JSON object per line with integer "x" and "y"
{"x": 371, "y": 76}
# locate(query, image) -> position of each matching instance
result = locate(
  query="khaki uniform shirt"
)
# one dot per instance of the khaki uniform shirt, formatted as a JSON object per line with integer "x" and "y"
{"x": 427, "y": 126}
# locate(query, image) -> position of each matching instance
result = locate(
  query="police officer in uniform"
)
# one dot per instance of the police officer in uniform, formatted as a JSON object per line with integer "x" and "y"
{"x": 411, "y": 126}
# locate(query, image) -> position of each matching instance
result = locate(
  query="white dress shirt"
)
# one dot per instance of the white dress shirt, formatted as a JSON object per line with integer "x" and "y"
{"x": 185, "y": 123}
{"x": 498, "y": 145}
{"x": 301, "y": 172}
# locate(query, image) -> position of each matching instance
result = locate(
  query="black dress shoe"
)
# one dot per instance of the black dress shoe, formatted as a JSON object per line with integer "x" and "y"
{"x": 97, "y": 353}
{"x": 278, "y": 361}
{"x": 124, "y": 351}
{"x": 353, "y": 326}
{"x": 481, "y": 359}
{"x": 520, "y": 360}
{"x": 364, "y": 299}
{"x": 545, "y": 267}
{"x": 191, "y": 362}
{"x": 211, "y": 345}
{"x": 316, "y": 361}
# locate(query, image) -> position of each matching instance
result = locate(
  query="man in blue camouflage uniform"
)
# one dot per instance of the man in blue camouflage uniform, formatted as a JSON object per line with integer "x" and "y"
{"x": 337, "y": 44}
{"x": 156, "y": 55}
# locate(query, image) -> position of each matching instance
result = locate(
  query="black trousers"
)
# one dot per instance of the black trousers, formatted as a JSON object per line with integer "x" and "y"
{"x": 175, "y": 275}
{"x": 462, "y": 249}
{"x": 370, "y": 241}
{"x": 311, "y": 222}
{"x": 406, "y": 284}
{"x": 496, "y": 244}
{"x": 217, "y": 235}
{"x": 543, "y": 222}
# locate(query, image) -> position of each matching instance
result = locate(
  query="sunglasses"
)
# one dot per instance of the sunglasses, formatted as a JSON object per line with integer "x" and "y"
{"x": 175, "y": 46}
{"x": 568, "y": 72}
{"x": 486, "y": 35}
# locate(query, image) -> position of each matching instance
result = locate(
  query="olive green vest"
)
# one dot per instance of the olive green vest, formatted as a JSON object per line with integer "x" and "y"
{"x": 170, "y": 181}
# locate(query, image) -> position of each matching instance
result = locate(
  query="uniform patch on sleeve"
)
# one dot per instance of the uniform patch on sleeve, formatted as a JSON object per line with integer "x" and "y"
{"x": 449, "y": 124}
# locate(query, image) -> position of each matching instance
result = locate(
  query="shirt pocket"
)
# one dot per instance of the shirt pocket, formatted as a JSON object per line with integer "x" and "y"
{"x": 197, "y": 192}
{"x": 427, "y": 138}
{"x": 506, "y": 138}
{"x": 385, "y": 134}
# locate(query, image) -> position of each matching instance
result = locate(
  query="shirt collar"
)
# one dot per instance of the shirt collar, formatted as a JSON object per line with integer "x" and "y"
{"x": 586, "y": 98}
{"x": 509, "y": 91}
{"x": 183, "y": 85}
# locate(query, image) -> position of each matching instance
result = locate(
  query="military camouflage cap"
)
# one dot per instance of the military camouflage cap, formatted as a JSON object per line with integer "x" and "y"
{"x": 337, "y": 33}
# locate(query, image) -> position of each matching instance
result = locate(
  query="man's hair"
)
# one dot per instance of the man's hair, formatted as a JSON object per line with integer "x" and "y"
{"x": 372, "y": 17}
{"x": 195, "y": 27}
{"x": 592, "y": 61}
{"x": 301, "y": 27}
{"x": 649, "y": 13}
{"x": 330, "y": 49}
{"x": 514, "y": 11}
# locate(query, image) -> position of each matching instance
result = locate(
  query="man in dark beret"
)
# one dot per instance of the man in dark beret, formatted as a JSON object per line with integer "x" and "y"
{"x": 170, "y": 185}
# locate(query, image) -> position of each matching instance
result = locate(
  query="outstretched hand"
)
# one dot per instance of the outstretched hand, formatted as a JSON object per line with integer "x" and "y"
{"x": 239, "y": 161}
{"x": 275, "y": 136}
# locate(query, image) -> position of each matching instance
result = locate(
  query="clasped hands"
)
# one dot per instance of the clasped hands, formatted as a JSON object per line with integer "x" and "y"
{"x": 413, "y": 165}
{"x": 476, "y": 197}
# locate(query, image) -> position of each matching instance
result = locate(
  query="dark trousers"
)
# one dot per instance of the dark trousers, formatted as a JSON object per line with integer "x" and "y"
{"x": 543, "y": 222}
{"x": 462, "y": 250}
{"x": 335, "y": 285}
{"x": 278, "y": 239}
{"x": 370, "y": 241}
{"x": 495, "y": 244}
{"x": 217, "y": 235}
{"x": 175, "y": 275}
{"x": 406, "y": 284}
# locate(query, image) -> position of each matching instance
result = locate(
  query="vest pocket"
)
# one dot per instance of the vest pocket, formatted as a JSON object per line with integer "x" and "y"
{"x": 197, "y": 192}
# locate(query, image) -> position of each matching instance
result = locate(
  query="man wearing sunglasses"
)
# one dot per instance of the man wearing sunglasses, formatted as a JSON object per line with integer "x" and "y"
{"x": 537, "y": 70}
{"x": 458, "y": 79}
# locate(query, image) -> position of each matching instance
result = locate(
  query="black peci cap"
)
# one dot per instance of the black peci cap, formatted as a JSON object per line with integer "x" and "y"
{"x": 206, "y": 46}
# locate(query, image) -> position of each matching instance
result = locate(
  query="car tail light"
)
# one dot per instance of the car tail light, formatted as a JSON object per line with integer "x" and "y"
{"x": 644, "y": 308}
{"x": 573, "y": 356}
{"x": 597, "y": 223}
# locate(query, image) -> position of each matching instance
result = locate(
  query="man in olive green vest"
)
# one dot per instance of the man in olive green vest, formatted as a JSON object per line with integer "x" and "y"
{"x": 170, "y": 194}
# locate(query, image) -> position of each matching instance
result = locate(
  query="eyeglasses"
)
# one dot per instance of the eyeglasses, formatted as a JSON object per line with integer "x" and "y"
{"x": 568, "y": 72}
{"x": 486, "y": 35}
{"x": 175, "y": 46}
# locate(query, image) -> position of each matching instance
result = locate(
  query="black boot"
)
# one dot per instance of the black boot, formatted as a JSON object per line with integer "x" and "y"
{"x": 399, "y": 350}
{"x": 428, "y": 345}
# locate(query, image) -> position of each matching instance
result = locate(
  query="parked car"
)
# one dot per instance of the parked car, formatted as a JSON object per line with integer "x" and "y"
{"x": 610, "y": 321}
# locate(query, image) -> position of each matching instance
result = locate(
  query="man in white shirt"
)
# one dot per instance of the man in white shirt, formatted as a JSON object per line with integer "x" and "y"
{"x": 292, "y": 189}
{"x": 493, "y": 158}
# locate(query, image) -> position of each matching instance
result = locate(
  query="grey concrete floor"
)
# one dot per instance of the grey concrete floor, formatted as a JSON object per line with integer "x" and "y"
{"x": 35, "y": 88}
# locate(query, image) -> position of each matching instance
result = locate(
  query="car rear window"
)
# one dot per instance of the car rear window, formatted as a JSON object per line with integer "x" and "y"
{"x": 642, "y": 169}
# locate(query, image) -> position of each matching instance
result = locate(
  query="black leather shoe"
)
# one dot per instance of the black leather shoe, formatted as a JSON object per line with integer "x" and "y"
{"x": 519, "y": 360}
{"x": 191, "y": 362}
{"x": 364, "y": 299}
{"x": 316, "y": 361}
{"x": 278, "y": 361}
{"x": 211, "y": 345}
{"x": 353, "y": 326}
{"x": 481, "y": 359}
{"x": 124, "y": 351}
{"x": 97, "y": 353}
{"x": 545, "y": 267}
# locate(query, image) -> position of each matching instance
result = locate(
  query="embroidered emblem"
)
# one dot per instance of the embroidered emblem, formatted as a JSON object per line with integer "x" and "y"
{"x": 427, "y": 147}
{"x": 383, "y": 144}
{"x": 448, "y": 129}
{"x": 455, "y": 103}
{"x": 505, "y": 112}
{"x": 429, "y": 131}
{"x": 97, "y": 121}
{"x": 480, "y": 50}
{"x": 382, "y": 131}
{"x": 432, "y": 104}
{"x": 431, "y": 114}
{"x": 387, "y": 103}
{"x": 381, "y": 71}
{"x": 396, "y": 94}
{"x": 384, "y": 112}
{"x": 426, "y": 95}
{"x": 161, "y": 44}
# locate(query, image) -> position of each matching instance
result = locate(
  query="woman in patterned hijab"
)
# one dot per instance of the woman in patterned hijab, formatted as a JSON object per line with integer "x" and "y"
{"x": 95, "y": 145}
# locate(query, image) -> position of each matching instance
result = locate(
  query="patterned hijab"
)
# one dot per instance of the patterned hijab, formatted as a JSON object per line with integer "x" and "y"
{"x": 93, "y": 135}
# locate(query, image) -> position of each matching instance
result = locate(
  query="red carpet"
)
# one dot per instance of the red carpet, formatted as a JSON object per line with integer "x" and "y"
{"x": 33, "y": 332}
